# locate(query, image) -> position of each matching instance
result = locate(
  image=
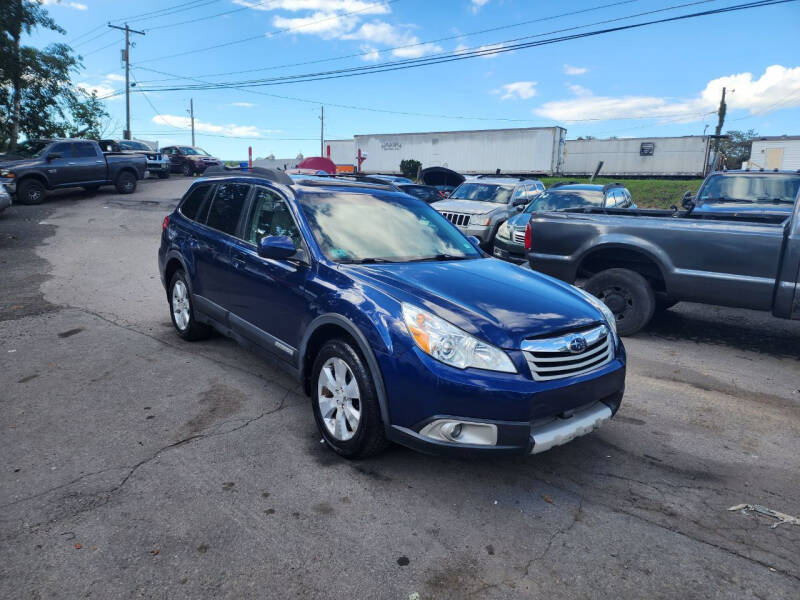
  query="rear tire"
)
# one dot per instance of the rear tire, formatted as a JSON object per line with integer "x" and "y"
{"x": 125, "y": 183}
{"x": 627, "y": 294}
{"x": 181, "y": 310}
{"x": 345, "y": 402}
{"x": 31, "y": 192}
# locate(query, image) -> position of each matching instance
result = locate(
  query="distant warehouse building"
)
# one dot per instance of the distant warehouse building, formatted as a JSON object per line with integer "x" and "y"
{"x": 685, "y": 156}
{"x": 530, "y": 150}
{"x": 777, "y": 152}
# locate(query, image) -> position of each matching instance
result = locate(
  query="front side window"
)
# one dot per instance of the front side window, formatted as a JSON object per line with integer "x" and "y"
{"x": 226, "y": 207}
{"x": 271, "y": 216}
{"x": 195, "y": 206}
{"x": 189, "y": 151}
{"x": 366, "y": 228}
{"x": 65, "y": 150}
{"x": 483, "y": 192}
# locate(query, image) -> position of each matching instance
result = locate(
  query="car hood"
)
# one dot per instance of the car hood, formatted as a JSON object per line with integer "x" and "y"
{"x": 7, "y": 162}
{"x": 491, "y": 299}
{"x": 519, "y": 220}
{"x": 467, "y": 207}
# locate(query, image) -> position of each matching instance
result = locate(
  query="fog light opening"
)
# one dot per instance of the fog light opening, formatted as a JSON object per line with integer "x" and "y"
{"x": 461, "y": 432}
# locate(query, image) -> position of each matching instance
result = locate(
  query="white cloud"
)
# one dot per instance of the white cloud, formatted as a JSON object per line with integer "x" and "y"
{"x": 362, "y": 7}
{"x": 476, "y": 5}
{"x": 180, "y": 122}
{"x": 324, "y": 24}
{"x": 243, "y": 104}
{"x": 485, "y": 51}
{"x": 75, "y": 5}
{"x": 570, "y": 70}
{"x": 115, "y": 77}
{"x": 777, "y": 88}
{"x": 101, "y": 89}
{"x": 518, "y": 89}
{"x": 579, "y": 90}
{"x": 370, "y": 53}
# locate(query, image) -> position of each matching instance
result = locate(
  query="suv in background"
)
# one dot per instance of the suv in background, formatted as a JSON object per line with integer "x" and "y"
{"x": 480, "y": 205}
{"x": 157, "y": 163}
{"x": 189, "y": 160}
{"x": 426, "y": 193}
{"x": 509, "y": 244}
{"x": 747, "y": 191}
{"x": 395, "y": 324}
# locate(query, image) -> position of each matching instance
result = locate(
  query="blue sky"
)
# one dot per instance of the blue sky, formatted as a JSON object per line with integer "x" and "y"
{"x": 655, "y": 81}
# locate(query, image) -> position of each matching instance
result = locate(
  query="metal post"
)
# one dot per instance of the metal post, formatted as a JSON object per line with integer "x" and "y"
{"x": 191, "y": 112}
{"x": 321, "y": 129}
{"x": 127, "y": 133}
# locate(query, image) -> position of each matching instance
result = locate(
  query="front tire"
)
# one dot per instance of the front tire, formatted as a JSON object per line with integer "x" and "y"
{"x": 627, "y": 294}
{"x": 181, "y": 310}
{"x": 31, "y": 192}
{"x": 345, "y": 402}
{"x": 186, "y": 169}
{"x": 125, "y": 183}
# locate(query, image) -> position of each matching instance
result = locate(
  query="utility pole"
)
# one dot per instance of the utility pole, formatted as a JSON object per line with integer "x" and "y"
{"x": 127, "y": 56}
{"x": 322, "y": 131}
{"x": 720, "y": 120}
{"x": 191, "y": 113}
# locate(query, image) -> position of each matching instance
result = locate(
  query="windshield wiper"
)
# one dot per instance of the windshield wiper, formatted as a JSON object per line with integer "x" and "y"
{"x": 722, "y": 200}
{"x": 440, "y": 257}
{"x": 364, "y": 261}
{"x": 775, "y": 201}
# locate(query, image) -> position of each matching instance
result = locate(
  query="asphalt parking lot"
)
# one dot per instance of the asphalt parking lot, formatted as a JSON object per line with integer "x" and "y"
{"x": 134, "y": 464}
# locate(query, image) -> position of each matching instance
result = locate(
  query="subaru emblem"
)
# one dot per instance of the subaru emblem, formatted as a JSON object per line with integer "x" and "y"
{"x": 577, "y": 344}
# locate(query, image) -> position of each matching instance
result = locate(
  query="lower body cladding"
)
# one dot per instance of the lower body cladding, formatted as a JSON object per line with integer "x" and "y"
{"x": 481, "y": 412}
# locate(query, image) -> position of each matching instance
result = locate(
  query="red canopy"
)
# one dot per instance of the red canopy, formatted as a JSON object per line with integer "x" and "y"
{"x": 318, "y": 163}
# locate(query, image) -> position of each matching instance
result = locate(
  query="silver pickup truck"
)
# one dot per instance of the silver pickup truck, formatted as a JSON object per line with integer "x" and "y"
{"x": 640, "y": 261}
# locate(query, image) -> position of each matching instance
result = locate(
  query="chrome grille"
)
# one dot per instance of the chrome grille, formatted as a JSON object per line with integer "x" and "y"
{"x": 519, "y": 236}
{"x": 456, "y": 218}
{"x": 552, "y": 358}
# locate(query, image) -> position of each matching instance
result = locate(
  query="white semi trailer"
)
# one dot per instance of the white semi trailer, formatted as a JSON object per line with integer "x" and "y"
{"x": 529, "y": 151}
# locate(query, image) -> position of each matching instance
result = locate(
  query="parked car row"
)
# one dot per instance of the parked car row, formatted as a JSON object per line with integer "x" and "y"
{"x": 37, "y": 167}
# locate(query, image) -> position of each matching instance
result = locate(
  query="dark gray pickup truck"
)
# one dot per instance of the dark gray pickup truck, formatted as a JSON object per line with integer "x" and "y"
{"x": 639, "y": 261}
{"x": 37, "y": 166}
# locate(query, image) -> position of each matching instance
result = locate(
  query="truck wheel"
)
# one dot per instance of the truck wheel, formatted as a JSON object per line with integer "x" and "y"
{"x": 186, "y": 169}
{"x": 125, "y": 183}
{"x": 345, "y": 402}
{"x": 629, "y": 296}
{"x": 31, "y": 191}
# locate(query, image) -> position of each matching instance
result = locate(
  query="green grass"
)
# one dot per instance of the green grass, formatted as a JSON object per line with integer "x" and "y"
{"x": 647, "y": 193}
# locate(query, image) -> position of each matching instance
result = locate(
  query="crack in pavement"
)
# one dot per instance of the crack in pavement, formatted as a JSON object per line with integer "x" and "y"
{"x": 575, "y": 518}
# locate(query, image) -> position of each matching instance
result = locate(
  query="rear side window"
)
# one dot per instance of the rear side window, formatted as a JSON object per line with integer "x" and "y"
{"x": 83, "y": 150}
{"x": 226, "y": 208}
{"x": 195, "y": 206}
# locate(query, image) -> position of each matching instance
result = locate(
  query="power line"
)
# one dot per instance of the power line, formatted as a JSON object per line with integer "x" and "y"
{"x": 405, "y": 46}
{"x": 266, "y": 35}
{"x": 496, "y": 48}
{"x": 205, "y": 18}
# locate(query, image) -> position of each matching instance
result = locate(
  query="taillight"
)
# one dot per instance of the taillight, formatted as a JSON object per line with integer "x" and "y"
{"x": 528, "y": 237}
{"x": 165, "y": 223}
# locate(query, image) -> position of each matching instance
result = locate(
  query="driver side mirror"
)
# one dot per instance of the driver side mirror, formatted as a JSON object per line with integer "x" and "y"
{"x": 276, "y": 246}
{"x": 474, "y": 241}
{"x": 520, "y": 207}
{"x": 53, "y": 156}
{"x": 687, "y": 201}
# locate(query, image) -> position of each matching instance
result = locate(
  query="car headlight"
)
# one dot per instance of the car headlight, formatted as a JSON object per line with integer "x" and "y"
{"x": 504, "y": 231}
{"x": 600, "y": 305}
{"x": 449, "y": 344}
{"x": 481, "y": 220}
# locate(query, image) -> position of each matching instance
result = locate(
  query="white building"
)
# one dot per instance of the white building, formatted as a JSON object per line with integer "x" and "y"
{"x": 341, "y": 152}
{"x": 659, "y": 156}
{"x": 776, "y": 152}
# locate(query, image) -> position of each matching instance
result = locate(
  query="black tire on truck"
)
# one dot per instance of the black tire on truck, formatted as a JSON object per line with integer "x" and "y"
{"x": 31, "y": 191}
{"x": 187, "y": 170}
{"x": 627, "y": 294}
{"x": 125, "y": 183}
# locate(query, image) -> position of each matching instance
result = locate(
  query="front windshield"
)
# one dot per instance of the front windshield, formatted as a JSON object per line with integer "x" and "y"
{"x": 30, "y": 149}
{"x": 761, "y": 189}
{"x": 565, "y": 199}
{"x": 189, "y": 151}
{"x": 354, "y": 227}
{"x": 483, "y": 192}
{"x": 127, "y": 145}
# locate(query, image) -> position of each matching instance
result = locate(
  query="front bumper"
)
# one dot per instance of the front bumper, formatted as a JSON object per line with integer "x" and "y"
{"x": 479, "y": 231}
{"x": 158, "y": 166}
{"x": 10, "y": 185}
{"x": 5, "y": 201}
{"x": 509, "y": 250}
{"x": 529, "y": 416}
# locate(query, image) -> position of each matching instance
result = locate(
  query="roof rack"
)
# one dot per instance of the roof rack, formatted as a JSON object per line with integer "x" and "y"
{"x": 560, "y": 183}
{"x": 608, "y": 186}
{"x": 501, "y": 176}
{"x": 274, "y": 175}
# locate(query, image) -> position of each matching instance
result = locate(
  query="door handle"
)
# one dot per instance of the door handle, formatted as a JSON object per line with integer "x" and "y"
{"x": 238, "y": 260}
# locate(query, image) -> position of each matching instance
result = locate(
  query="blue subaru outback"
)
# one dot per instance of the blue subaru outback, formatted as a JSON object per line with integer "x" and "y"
{"x": 399, "y": 327}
